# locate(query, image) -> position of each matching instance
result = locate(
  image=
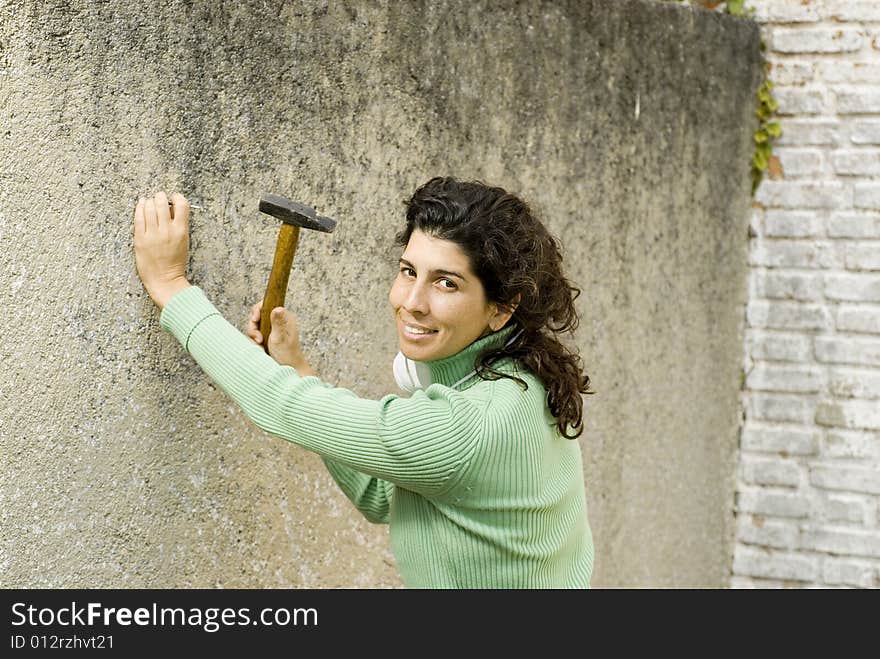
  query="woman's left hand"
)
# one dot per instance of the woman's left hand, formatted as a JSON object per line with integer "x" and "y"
{"x": 161, "y": 245}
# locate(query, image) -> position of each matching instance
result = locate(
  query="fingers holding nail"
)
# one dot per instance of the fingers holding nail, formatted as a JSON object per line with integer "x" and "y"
{"x": 163, "y": 212}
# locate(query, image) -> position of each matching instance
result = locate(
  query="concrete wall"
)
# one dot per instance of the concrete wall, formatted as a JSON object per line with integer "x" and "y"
{"x": 627, "y": 124}
{"x": 808, "y": 495}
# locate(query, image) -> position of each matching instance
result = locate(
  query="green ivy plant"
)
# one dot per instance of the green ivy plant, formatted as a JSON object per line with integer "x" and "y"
{"x": 768, "y": 131}
{"x": 738, "y": 8}
{"x": 732, "y": 7}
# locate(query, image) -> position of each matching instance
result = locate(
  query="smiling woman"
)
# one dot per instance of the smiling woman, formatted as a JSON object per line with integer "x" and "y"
{"x": 440, "y": 305}
{"x": 517, "y": 267}
{"x": 473, "y": 471}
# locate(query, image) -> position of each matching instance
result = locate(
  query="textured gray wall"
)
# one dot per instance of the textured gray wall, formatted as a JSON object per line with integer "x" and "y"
{"x": 626, "y": 123}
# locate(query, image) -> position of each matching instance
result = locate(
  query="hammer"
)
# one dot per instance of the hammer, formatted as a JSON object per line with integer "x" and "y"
{"x": 292, "y": 216}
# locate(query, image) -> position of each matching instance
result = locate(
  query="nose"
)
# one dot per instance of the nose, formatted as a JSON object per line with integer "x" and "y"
{"x": 415, "y": 301}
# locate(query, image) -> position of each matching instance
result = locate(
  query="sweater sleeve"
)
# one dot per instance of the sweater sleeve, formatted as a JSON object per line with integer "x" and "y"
{"x": 370, "y": 495}
{"x": 418, "y": 443}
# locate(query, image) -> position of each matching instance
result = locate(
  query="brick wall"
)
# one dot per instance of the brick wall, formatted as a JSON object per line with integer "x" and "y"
{"x": 808, "y": 487}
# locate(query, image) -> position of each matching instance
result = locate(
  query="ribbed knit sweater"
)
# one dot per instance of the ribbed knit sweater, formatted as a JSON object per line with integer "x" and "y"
{"x": 477, "y": 485}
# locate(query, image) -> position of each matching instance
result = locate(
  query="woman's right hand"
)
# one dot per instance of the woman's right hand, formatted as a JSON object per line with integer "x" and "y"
{"x": 284, "y": 346}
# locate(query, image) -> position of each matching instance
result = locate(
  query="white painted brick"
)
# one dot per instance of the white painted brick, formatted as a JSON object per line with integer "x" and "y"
{"x": 756, "y": 530}
{"x": 851, "y": 444}
{"x": 848, "y": 572}
{"x": 779, "y": 347}
{"x": 809, "y": 132}
{"x": 774, "y": 565}
{"x": 788, "y": 315}
{"x": 741, "y": 583}
{"x": 774, "y": 253}
{"x": 754, "y": 276}
{"x": 858, "y": 162}
{"x": 800, "y": 101}
{"x": 795, "y": 379}
{"x": 855, "y": 287}
{"x": 841, "y": 508}
{"x": 863, "y": 414}
{"x": 855, "y": 100}
{"x": 798, "y": 246}
{"x": 792, "y": 224}
{"x": 834, "y": 257}
{"x": 776, "y": 503}
{"x": 799, "y": 195}
{"x": 769, "y": 471}
{"x": 800, "y": 162}
{"x": 858, "y": 319}
{"x": 816, "y": 586}
{"x": 856, "y": 11}
{"x": 756, "y": 222}
{"x": 861, "y": 319}
{"x": 848, "y": 479}
{"x": 791, "y": 73}
{"x": 757, "y": 314}
{"x": 866, "y": 195}
{"x": 781, "y": 407}
{"x": 776, "y": 285}
{"x": 779, "y": 439}
{"x": 847, "y": 350}
{"x": 842, "y": 542}
{"x": 839, "y": 71}
{"x": 865, "y": 132}
{"x": 752, "y": 583}
{"x": 850, "y": 225}
{"x": 817, "y": 40}
{"x": 784, "y": 11}
{"x": 864, "y": 256}
{"x": 854, "y": 382}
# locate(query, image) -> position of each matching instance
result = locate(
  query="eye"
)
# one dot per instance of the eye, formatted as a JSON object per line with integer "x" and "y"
{"x": 407, "y": 271}
{"x": 447, "y": 284}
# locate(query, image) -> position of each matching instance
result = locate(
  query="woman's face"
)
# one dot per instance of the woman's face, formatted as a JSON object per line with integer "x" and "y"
{"x": 439, "y": 304}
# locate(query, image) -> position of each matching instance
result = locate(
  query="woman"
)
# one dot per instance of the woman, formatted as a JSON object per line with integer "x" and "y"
{"x": 474, "y": 471}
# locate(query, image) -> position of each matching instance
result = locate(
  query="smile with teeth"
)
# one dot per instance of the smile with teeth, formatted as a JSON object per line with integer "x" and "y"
{"x": 418, "y": 331}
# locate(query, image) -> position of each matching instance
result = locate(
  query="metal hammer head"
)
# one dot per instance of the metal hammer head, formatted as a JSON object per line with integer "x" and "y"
{"x": 296, "y": 214}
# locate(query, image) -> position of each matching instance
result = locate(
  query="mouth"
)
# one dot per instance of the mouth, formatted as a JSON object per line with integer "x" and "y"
{"x": 412, "y": 330}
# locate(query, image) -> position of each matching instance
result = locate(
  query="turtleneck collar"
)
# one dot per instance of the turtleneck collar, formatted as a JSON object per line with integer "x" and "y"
{"x": 449, "y": 370}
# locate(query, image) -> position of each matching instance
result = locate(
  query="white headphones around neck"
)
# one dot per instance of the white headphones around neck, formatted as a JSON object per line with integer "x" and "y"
{"x": 412, "y": 375}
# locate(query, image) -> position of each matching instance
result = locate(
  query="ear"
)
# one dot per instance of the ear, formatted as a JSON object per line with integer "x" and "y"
{"x": 502, "y": 314}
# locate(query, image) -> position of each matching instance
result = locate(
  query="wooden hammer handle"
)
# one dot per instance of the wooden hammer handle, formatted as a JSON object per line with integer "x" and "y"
{"x": 288, "y": 237}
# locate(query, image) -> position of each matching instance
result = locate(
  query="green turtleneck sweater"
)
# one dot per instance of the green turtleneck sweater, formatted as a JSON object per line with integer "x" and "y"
{"x": 477, "y": 485}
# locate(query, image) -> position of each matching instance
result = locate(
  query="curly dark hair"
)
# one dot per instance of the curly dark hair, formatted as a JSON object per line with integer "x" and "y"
{"x": 519, "y": 263}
